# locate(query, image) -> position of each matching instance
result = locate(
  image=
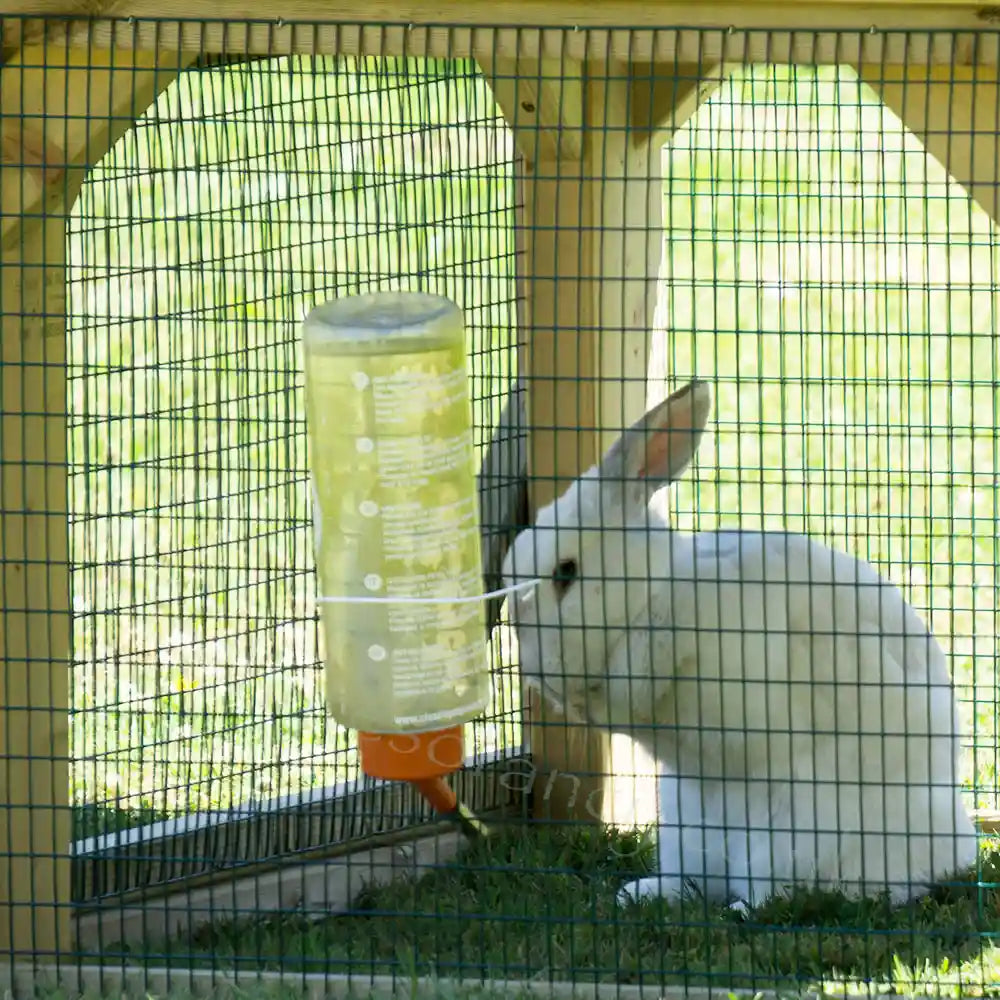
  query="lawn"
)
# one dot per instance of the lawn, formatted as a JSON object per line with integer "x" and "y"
{"x": 540, "y": 905}
{"x": 833, "y": 282}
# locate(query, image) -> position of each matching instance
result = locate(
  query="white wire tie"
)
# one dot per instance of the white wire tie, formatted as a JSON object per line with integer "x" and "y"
{"x": 363, "y": 599}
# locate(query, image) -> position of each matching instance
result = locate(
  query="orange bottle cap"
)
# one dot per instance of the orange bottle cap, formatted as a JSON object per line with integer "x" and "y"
{"x": 411, "y": 756}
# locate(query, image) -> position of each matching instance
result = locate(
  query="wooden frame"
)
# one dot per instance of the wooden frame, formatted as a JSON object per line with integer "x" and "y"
{"x": 55, "y": 78}
{"x": 115, "y": 870}
{"x": 739, "y": 15}
{"x": 916, "y": 38}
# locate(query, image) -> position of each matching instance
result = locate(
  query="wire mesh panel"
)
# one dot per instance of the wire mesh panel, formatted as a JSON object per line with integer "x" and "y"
{"x": 248, "y": 192}
{"x": 849, "y": 287}
{"x": 760, "y": 269}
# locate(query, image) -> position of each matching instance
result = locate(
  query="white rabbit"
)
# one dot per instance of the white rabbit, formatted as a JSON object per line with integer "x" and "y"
{"x": 800, "y": 713}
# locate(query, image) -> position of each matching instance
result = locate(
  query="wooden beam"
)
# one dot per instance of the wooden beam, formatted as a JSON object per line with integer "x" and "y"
{"x": 35, "y": 614}
{"x": 831, "y": 14}
{"x": 543, "y": 103}
{"x": 918, "y": 34}
{"x": 158, "y": 859}
{"x": 62, "y": 110}
{"x": 590, "y": 135}
{"x": 317, "y": 889}
{"x": 955, "y": 112}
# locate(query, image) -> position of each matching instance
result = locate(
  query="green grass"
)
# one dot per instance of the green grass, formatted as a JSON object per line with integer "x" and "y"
{"x": 540, "y": 904}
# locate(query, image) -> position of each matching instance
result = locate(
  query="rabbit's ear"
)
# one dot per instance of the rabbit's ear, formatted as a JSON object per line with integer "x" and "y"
{"x": 657, "y": 448}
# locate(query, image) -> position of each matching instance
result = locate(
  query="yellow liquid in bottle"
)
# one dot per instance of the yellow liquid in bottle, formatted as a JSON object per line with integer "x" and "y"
{"x": 396, "y": 513}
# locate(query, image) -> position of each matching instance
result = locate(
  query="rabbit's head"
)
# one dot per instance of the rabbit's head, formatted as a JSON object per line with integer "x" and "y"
{"x": 593, "y": 550}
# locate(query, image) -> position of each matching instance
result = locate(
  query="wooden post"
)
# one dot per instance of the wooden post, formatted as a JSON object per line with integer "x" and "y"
{"x": 64, "y": 107}
{"x": 954, "y": 110}
{"x": 590, "y": 134}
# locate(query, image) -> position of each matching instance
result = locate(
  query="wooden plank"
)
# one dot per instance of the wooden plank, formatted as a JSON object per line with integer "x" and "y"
{"x": 543, "y": 102}
{"x": 63, "y": 109}
{"x": 152, "y": 860}
{"x": 544, "y": 106}
{"x": 60, "y": 107}
{"x": 35, "y": 618}
{"x": 316, "y": 889}
{"x": 955, "y": 112}
{"x": 590, "y": 135}
{"x": 711, "y": 34}
{"x": 833, "y": 14}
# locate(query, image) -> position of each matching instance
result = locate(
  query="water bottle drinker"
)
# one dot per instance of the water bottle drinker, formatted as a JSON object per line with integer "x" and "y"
{"x": 397, "y": 534}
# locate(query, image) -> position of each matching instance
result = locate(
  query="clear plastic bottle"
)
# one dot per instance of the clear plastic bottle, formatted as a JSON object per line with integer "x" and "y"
{"x": 395, "y": 511}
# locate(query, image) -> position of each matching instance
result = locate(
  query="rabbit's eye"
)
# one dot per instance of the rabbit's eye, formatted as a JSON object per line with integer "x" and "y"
{"x": 563, "y": 576}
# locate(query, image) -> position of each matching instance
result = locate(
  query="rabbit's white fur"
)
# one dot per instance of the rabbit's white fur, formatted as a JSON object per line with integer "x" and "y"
{"x": 800, "y": 713}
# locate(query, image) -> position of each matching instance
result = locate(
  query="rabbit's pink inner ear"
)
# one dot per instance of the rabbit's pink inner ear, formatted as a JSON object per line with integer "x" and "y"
{"x": 672, "y": 432}
{"x": 668, "y": 451}
{"x": 657, "y": 462}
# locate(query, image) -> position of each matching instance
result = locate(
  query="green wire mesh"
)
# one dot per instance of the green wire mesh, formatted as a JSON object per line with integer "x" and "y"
{"x": 248, "y": 192}
{"x": 830, "y": 279}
